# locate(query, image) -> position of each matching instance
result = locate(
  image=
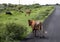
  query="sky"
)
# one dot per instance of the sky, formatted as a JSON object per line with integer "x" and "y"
{"x": 42, "y": 2}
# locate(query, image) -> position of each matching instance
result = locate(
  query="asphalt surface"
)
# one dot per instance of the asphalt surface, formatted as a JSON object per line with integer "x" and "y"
{"x": 52, "y": 25}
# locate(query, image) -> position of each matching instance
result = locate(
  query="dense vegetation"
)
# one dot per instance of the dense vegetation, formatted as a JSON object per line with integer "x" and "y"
{"x": 15, "y": 27}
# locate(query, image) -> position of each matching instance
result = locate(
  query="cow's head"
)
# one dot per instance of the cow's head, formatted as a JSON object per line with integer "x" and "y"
{"x": 29, "y": 22}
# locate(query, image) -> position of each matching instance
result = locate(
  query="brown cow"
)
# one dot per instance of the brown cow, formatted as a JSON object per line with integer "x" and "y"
{"x": 28, "y": 11}
{"x": 36, "y": 25}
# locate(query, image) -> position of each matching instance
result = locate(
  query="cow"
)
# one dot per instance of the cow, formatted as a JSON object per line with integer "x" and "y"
{"x": 36, "y": 25}
{"x": 8, "y": 12}
{"x": 28, "y": 12}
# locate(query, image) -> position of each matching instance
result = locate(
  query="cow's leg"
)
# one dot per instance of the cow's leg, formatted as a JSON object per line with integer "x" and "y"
{"x": 41, "y": 30}
{"x": 29, "y": 14}
{"x": 35, "y": 33}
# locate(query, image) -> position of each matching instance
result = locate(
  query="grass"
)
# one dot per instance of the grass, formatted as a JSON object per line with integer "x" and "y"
{"x": 38, "y": 14}
{"x": 20, "y": 18}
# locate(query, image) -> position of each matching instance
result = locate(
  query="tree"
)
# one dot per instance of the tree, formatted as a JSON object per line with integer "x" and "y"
{"x": 57, "y": 3}
{"x": 5, "y": 5}
{"x": 10, "y": 5}
{"x": 36, "y": 5}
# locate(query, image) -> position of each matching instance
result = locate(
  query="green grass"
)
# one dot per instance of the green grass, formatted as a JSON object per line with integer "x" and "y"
{"x": 38, "y": 14}
{"x": 20, "y": 18}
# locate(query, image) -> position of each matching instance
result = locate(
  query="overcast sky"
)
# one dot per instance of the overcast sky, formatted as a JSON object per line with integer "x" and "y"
{"x": 30, "y": 1}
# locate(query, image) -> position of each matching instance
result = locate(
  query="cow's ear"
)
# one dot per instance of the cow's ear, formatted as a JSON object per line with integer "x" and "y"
{"x": 29, "y": 20}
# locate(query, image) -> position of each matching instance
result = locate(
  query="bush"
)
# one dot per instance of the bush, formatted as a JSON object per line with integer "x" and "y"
{"x": 2, "y": 32}
{"x": 13, "y": 31}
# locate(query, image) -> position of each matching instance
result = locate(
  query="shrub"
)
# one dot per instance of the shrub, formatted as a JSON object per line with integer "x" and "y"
{"x": 2, "y": 32}
{"x": 13, "y": 31}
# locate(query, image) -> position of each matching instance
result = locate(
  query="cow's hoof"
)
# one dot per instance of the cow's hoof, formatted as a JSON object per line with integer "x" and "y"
{"x": 43, "y": 36}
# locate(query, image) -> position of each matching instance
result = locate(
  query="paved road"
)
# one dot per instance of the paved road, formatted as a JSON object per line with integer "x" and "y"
{"x": 52, "y": 25}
